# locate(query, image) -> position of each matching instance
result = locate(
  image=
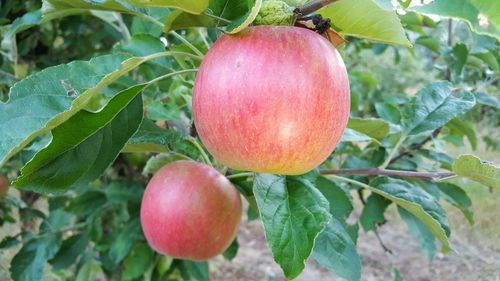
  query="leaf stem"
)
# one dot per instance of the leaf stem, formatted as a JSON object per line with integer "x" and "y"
{"x": 173, "y": 54}
{"x": 312, "y": 6}
{"x": 416, "y": 146}
{"x": 203, "y": 154}
{"x": 348, "y": 180}
{"x": 171, "y": 74}
{"x": 216, "y": 17}
{"x": 187, "y": 43}
{"x": 393, "y": 173}
{"x": 203, "y": 38}
{"x": 240, "y": 175}
{"x": 123, "y": 29}
{"x": 393, "y": 152}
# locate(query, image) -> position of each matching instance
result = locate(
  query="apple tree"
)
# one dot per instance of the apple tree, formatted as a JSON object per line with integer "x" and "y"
{"x": 132, "y": 131}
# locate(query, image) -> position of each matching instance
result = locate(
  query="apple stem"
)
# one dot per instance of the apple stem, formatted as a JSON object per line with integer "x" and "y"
{"x": 394, "y": 173}
{"x": 203, "y": 154}
{"x": 312, "y": 6}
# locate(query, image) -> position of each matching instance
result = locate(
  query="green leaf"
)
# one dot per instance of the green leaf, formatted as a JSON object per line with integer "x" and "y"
{"x": 433, "y": 107}
{"x": 472, "y": 167}
{"x": 489, "y": 59}
{"x": 373, "y": 212}
{"x": 231, "y": 252}
{"x": 339, "y": 200}
{"x": 84, "y": 146}
{"x": 485, "y": 99}
{"x": 375, "y": 128}
{"x": 483, "y": 16}
{"x": 196, "y": 270}
{"x": 164, "y": 264}
{"x": 157, "y": 162}
{"x": 194, "y": 7}
{"x": 151, "y": 138}
{"x": 365, "y": 19}
{"x": 419, "y": 231}
{"x": 124, "y": 240}
{"x": 120, "y": 192}
{"x": 9, "y": 242}
{"x": 429, "y": 42}
{"x": 460, "y": 54}
{"x": 388, "y": 112}
{"x": 239, "y": 13}
{"x": 440, "y": 157}
{"x": 46, "y": 99}
{"x": 28, "y": 20}
{"x": 416, "y": 22}
{"x": 28, "y": 263}
{"x": 87, "y": 203}
{"x": 181, "y": 20}
{"x": 351, "y": 135}
{"x": 418, "y": 202}
{"x": 70, "y": 250}
{"x": 293, "y": 212}
{"x": 137, "y": 262}
{"x": 141, "y": 45}
{"x": 458, "y": 198}
{"x": 335, "y": 250}
{"x": 461, "y": 128}
{"x": 89, "y": 271}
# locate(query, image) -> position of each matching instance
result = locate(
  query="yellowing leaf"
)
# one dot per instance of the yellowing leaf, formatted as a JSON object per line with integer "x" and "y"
{"x": 366, "y": 19}
{"x": 472, "y": 167}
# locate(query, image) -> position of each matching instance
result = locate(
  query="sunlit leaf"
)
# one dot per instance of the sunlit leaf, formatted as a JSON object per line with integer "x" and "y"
{"x": 293, "y": 212}
{"x": 472, "y": 167}
{"x": 366, "y": 19}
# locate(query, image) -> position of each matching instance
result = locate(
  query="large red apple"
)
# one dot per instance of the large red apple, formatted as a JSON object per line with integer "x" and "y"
{"x": 190, "y": 211}
{"x": 271, "y": 99}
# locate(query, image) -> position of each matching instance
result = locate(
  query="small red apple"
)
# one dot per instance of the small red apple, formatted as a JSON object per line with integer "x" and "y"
{"x": 4, "y": 185}
{"x": 190, "y": 211}
{"x": 271, "y": 99}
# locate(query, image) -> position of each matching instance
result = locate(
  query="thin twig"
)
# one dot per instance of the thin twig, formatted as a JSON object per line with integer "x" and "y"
{"x": 416, "y": 146}
{"x": 168, "y": 75}
{"x": 380, "y": 241}
{"x": 393, "y": 151}
{"x": 391, "y": 173}
{"x": 216, "y": 17}
{"x": 312, "y": 6}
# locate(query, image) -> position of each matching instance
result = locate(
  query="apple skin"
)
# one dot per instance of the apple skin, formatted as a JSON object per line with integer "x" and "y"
{"x": 4, "y": 185}
{"x": 190, "y": 211}
{"x": 271, "y": 99}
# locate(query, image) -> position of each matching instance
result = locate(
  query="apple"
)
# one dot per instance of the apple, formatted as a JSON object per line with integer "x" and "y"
{"x": 271, "y": 99}
{"x": 190, "y": 211}
{"x": 4, "y": 185}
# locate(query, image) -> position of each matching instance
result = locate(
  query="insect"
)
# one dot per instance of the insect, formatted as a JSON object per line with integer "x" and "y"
{"x": 322, "y": 26}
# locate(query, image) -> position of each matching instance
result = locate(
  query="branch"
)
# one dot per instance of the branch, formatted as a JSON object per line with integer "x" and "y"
{"x": 380, "y": 241}
{"x": 416, "y": 146}
{"x": 391, "y": 173}
{"x": 312, "y": 6}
